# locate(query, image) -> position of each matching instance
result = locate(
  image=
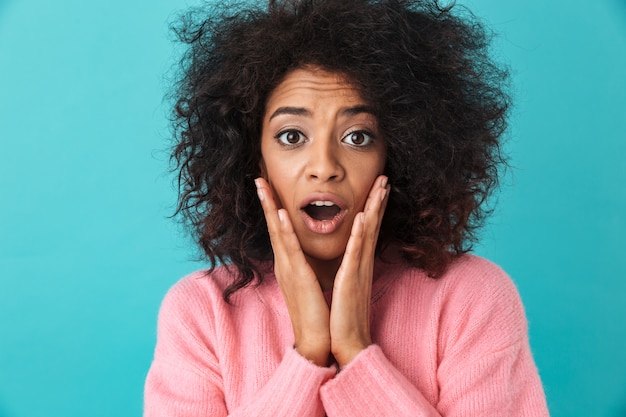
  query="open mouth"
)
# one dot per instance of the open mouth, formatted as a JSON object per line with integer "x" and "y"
{"x": 322, "y": 210}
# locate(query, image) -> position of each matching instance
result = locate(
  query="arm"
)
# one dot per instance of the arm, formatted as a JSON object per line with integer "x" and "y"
{"x": 485, "y": 367}
{"x": 185, "y": 380}
{"x": 486, "y": 362}
{"x": 371, "y": 385}
{"x": 185, "y": 377}
{"x": 368, "y": 383}
{"x": 298, "y": 283}
{"x": 344, "y": 329}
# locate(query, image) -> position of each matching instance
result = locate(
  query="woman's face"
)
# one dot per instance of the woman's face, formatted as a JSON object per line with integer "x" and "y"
{"x": 321, "y": 152}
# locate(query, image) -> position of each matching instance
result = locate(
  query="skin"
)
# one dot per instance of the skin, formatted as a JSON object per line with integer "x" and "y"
{"x": 320, "y": 141}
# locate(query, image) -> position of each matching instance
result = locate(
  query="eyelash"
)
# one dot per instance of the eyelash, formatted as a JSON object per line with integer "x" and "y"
{"x": 369, "y": 138}
{"x": 281, "y": 138}
{"x": 286, "y": 143}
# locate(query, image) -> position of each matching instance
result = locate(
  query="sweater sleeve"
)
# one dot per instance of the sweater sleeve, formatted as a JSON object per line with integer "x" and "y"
{"x": 371, "y": 385}
{"x": 184, "y": 379}
{"x": 485, "y": 367}
{"x": 293, "y": 390}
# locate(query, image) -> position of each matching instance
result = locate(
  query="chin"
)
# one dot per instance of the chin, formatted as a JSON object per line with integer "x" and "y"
{"x": 325, "y": 252}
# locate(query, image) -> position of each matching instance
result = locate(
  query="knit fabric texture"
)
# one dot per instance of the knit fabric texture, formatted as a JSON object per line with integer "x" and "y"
{"x": 452, "y": 346}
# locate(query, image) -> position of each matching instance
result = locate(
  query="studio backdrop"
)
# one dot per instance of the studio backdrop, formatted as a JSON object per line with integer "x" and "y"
{"x": 87, "y": 250}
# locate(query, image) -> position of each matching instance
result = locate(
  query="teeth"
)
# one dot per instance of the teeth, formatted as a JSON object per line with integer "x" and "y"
{"x": 322, "y": 203}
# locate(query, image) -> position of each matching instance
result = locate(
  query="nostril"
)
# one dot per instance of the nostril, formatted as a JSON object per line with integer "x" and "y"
{"x": 324, "y": 169}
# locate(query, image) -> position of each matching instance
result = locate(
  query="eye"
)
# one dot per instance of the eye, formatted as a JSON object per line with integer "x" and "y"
{"x": 290, "y": 137}
{"x": 358, "y": 138}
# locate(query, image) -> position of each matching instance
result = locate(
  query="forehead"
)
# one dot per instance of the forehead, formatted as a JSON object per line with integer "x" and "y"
{"x": 314, "y": 84}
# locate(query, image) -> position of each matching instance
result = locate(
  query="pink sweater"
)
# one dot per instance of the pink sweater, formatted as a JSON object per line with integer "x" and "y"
{"x": 455, "y": 346}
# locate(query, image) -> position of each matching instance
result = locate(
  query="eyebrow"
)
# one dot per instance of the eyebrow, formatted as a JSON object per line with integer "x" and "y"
{"x": 296, "y": 111}
{"x": 301, "y": 111}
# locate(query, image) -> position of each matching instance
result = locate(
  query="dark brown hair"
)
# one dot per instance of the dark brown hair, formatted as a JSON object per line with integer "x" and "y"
{"x": 440, "y": 102}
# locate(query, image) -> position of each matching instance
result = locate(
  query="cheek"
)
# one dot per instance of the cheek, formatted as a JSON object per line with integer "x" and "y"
{"x": 281, "y": 170}
{"x": 279, "y": 185}
{"x": 382, "y": 161}
{"x": 368, "y": 176}
{"x": 262, "y": 168}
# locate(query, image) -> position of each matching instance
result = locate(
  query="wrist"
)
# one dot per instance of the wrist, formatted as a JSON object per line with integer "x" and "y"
{"x": 345, "y": 354}
{"x": 318, "y": 356}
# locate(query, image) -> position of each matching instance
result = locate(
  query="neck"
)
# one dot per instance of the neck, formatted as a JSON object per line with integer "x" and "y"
{"x": 325, "y": 271}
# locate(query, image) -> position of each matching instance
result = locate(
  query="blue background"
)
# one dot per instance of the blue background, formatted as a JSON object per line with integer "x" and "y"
{"x": 87, "y": 253}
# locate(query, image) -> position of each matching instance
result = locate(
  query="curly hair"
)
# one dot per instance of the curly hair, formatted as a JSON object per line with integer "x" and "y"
{"x": 440, "y": 101}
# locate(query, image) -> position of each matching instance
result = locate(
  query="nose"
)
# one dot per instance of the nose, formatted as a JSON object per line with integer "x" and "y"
{"x": 324, "y": 162}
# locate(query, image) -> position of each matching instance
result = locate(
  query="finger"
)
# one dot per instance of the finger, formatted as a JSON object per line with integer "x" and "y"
{"x": 372, "y": 223}
{"x": 373, "y": 215}
{"x": 375, "y": 207}
{"x": 383, "y": 204}
{"x": 270, "y": 211}
{"x": 288, "y": 254}
{"x": 352, "y": 256}
{"x": 301, "y": 291}
{"x": 377, "y": 198}
{"x": 350, "y": 308}
{"x": 352, "y": 290}
{"x": 266, "y": 196}
{"x": 372, "y": 200}
{"x": 288, "y": 236}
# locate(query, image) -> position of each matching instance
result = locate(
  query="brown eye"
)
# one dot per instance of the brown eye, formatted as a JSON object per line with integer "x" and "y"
{"x": 358, "y": 138}
{"x": 290, "y": 137}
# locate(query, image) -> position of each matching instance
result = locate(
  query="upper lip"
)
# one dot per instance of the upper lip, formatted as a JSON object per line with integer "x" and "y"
{"x": 323, "y": 197}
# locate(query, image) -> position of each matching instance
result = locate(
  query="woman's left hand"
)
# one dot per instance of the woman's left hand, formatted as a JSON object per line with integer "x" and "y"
{"x": 350, "y": 309}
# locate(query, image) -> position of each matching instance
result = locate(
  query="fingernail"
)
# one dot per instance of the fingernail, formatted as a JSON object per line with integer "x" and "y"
{"x": 259, "y": 192}
{"x": 281, "y": 216}
{"x": 362, "y": 216}
{"x": 257, "y": 182}
{"x": 383, "y": 183}
{"x": 382, "y": 197}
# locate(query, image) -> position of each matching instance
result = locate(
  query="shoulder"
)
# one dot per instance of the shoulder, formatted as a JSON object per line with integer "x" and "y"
{"x": 198, "y": 287}
{"x": 468, "y": 276}
{"x": 476, "y": 268}
{"x": 478, "y": 297}
{"x": 473, "y": 277}
{"x": 199, "y": 296}
{"x": 194, "y": 311}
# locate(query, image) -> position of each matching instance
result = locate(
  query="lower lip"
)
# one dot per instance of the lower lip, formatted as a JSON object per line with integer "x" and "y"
{"x": 323, "y": 227}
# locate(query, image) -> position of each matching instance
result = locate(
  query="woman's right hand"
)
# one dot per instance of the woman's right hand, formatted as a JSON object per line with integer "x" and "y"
{"x": 308, "y": 310}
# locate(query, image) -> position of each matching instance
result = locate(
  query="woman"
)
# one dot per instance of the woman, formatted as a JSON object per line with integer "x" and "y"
{"x": 335, "y": 157}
